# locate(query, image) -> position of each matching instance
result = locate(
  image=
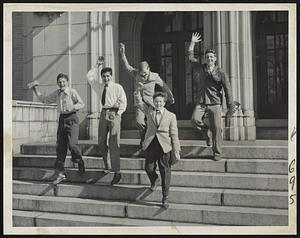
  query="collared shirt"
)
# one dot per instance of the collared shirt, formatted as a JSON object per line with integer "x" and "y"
{"x": 115, "y": 94}
{"x": 158, "y": 115}
{"x": 147, "y": 88}
{"x": 210, "y": 84}
{"x": 67, "y": 101}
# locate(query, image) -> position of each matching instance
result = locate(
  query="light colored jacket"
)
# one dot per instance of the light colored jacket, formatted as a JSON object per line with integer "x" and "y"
{"x": 166, "y": 132}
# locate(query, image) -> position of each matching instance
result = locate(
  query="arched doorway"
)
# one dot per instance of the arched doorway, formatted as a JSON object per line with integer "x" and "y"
{"x": 272, "y": 64}
{"x": 165, "y": 40}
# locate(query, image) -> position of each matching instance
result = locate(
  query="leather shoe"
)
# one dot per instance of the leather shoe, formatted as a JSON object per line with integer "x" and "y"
{"x": 217, "y": 157}
{"x": 165, "y": 202}
{"x": 81, "y": 168}
{"x": 154, "y": 184}
{"x": 116, "y": 179}
{"x": 208, "y": 141}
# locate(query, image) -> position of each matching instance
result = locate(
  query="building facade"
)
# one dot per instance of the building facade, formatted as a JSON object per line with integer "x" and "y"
{"x": 252, "y": 47}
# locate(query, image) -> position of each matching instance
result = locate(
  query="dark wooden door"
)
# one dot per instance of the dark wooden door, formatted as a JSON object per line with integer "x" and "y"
{"x": 166, "y": 52}
{"x": 272, "y": 65}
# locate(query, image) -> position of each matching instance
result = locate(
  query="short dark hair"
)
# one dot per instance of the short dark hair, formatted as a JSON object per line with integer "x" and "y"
{"x": 143, "y": 65}
{"x": 160, "y": 94}
{"x": 210, "y": 51}
{"x": 106, "y": 69}
{"x": 61, "y": 75}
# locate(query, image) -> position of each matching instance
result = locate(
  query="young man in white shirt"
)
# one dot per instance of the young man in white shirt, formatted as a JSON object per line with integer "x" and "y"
{"x": 114, "y": 102}
{"x": 68, "y": 103}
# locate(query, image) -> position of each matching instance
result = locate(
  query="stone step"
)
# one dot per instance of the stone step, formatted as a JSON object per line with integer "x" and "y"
{"x": 183, "y": 134}
{"x": 184, "y": 195}
{"x": 189, "y": 149}
{"x": 50, "y": 219}
{"x": 262, "y": 166}
{"x": 202, "y": 214}
{"x": 277, "y": 133}
{"x": 179, "y": 178}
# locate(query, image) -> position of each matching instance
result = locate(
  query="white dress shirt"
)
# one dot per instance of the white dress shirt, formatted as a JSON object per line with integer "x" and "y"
{"x": 67, "y": 101}
{"x": 115, "y": 94}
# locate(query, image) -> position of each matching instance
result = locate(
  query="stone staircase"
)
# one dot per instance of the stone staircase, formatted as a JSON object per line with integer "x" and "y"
{"x": 248, "y": 187}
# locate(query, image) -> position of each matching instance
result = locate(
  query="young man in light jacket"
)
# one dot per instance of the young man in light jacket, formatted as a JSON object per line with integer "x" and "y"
{"x": 161, "y": 145}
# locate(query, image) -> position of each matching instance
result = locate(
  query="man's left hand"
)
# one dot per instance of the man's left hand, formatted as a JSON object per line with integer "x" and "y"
{"x": 172, "y": 101}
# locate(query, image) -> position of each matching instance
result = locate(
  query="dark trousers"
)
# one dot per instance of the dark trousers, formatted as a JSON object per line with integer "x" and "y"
{"x": 154, "y": 153}
{"x": 67, "y": 137}
{"x": 111, "y": 127}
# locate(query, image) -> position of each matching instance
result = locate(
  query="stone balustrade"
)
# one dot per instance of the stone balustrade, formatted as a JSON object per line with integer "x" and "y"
{"x": 33, "y": 122}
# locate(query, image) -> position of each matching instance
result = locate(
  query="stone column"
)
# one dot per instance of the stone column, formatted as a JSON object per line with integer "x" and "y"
{"x": 95, "y": 50}
{"x": 229, "y": 33}
{"x": 103, "y": 41}
{"x": 246, "y": 69}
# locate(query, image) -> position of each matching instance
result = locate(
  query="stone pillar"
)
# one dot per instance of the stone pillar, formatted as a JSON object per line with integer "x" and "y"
{"x": 246, "y": 69}
{"x": 229, "y": 33}
{"x": 103, "y": 41}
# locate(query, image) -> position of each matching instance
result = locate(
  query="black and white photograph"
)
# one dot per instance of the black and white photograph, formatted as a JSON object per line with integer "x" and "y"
{"x": 150, "y": 119}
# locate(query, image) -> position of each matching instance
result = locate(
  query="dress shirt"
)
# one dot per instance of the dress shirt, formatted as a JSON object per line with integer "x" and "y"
{"x": 209, "y": 84}
{"x": 67, "y": 101}
{"x": 115, "y": 93}
{"x": 158, "y": 115}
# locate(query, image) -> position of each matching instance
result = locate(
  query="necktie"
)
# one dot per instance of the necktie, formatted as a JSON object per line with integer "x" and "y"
{"x": 103, "y": 95}
{"x": 157, "y": 117}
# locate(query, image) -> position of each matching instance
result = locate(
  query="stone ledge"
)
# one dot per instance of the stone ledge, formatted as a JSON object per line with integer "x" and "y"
{"x": 33, "y": 104}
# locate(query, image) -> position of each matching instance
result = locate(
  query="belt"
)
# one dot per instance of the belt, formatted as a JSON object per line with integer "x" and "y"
{"x": 67, "y": 114}
{"x": 111, "y": 108}
{"x": 161, "y": 131}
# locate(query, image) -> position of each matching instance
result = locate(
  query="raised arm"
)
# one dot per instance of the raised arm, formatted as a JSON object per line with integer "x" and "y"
{"x": 92, "y": 75}
{"x": 45, "y": 99}
{"x": 132, "y": 71}
{"x": 196, "y": 37}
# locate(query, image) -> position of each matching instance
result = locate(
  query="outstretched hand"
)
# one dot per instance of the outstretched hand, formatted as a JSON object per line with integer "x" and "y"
{"x": 100, "y": 60}
{"x": 196, "y": 37}
{"x": 122, "y": 48}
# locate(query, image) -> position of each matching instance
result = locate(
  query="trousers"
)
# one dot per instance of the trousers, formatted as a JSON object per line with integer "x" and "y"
{"x": 208, "y": 119}
{"x": 155, "y": 155}
{"x": 140, "y": 118}
{"x": 67, "y": 136}
{"x": 110, "y": 125}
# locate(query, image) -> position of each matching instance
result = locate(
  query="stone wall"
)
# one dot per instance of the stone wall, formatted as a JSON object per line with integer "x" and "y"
{"x": 33, "y": 122}
{"x": 17, "y": 55}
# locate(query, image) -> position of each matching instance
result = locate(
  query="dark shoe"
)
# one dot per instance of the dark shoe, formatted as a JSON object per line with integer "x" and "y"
{"x": 208, "y": 141}
{"x": 154, "y": 184}
{"x": 81, "y": 168}
{"x": 165, "y": 202}
{"x": 60, "y": 178}
{"x": 217, "y": 157}
{"x": 137, "y": 153}
{"x": 116, "y": 179}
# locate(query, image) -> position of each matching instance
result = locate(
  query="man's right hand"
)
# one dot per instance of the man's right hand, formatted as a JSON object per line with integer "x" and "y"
{"x": 33, "y": 84}
{"x": 196, "y": 37}
{"x": 100, "y": 61}
{"x": 122, "y": 48}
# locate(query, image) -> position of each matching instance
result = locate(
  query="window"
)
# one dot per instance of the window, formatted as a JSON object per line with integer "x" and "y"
{"x": 166, "y": 37}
